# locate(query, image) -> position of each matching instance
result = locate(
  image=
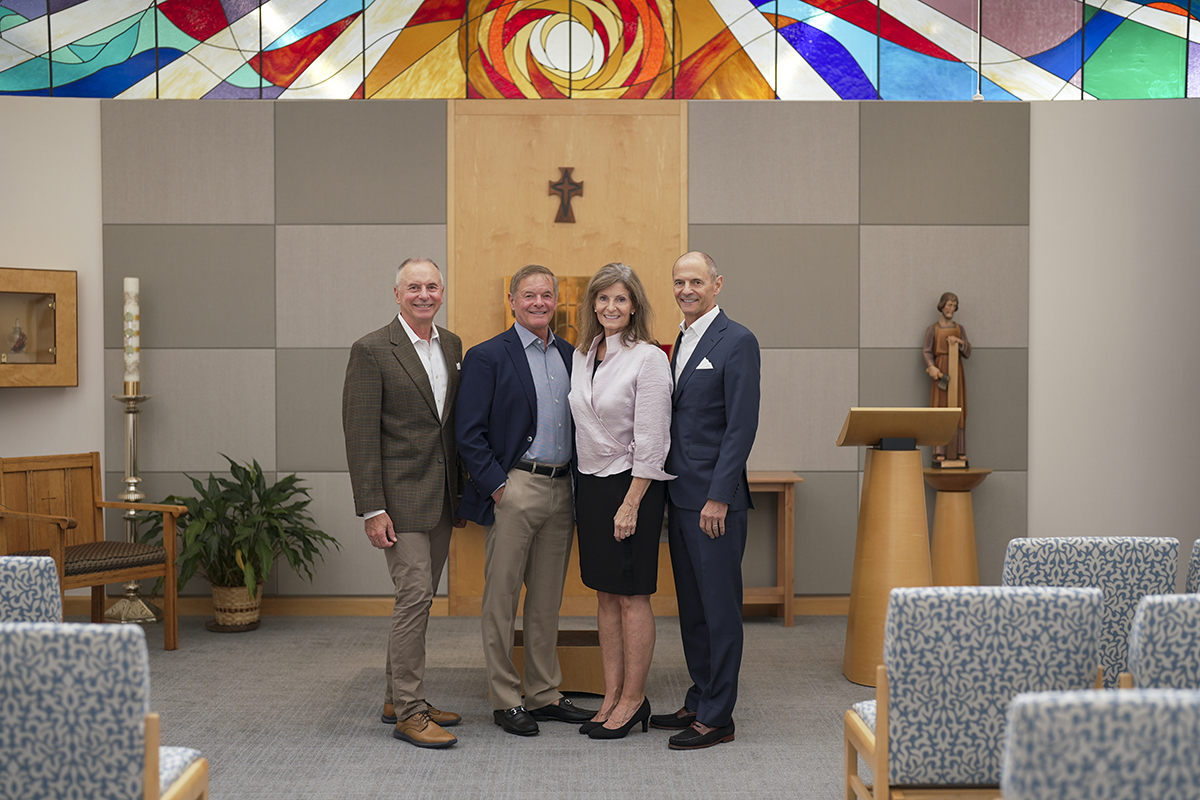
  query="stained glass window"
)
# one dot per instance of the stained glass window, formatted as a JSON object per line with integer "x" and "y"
{"x": 644, "y": 49}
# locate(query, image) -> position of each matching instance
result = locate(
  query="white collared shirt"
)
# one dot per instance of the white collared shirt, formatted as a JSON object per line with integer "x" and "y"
{"x": 435, "y": 363}
{"x": 691, "y": 337}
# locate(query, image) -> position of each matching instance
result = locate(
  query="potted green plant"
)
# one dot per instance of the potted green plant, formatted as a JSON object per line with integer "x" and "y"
{"x": 234, "y": 531}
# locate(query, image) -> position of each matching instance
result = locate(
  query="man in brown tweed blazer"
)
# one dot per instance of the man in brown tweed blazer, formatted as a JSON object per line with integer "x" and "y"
{"x": 398, "y": 417}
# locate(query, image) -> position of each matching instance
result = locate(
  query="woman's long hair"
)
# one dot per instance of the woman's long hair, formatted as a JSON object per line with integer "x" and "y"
{"x": 641, "y": 321}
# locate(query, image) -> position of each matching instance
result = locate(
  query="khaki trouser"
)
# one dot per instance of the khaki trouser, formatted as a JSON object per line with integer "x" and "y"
{"x": 530, "y": 543}
{"x": 415, "y": 562}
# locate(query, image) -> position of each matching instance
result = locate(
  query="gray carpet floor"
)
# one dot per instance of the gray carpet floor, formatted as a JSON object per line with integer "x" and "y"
{"x": 292, "y": 711}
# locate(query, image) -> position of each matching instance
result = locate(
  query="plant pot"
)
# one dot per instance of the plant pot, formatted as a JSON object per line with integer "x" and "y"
{"x": 235, "y": 609}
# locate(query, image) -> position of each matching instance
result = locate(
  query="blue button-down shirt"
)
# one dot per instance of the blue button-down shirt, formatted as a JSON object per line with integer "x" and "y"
{"x": 552, "y": 443}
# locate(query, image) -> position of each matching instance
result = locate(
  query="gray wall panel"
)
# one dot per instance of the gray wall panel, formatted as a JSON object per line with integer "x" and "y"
{"x": 346, "y": 162}
{"x": 905, "y": 270}
{"x": 944, "y": 163}
{"x": 805, "y": 397}
{"x": 793, "y": 285}
{"x": 179, "y": 161}
{"x": 308, "y": 414}
{"x": 826, "y": 528}
{"x": 201, "y": 285}
{"x": 357, "y": 568}
{"x": 334, "y": 282}
{"x": 997, "y": 398}
{"x": 795, "y": 162}
{"x": 203, "y": 403}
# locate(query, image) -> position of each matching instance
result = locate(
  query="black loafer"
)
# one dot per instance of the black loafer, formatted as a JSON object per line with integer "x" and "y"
{"x": 516, "y": 720}
{"x": 564, "y": 711}
{"x": 692, "y": 739}
{"x": 675, "y": 721}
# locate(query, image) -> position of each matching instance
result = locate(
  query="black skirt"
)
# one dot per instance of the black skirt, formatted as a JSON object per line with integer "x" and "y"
{"x": 629, "y": 566}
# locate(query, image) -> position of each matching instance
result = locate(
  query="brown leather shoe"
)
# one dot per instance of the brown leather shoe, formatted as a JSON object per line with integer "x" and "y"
{"x": 443, "y": 718}
{"x": 421, "y": 730}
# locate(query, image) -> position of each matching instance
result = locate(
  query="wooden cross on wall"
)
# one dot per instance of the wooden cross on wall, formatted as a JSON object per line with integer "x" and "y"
{"x": 566, "y": 189}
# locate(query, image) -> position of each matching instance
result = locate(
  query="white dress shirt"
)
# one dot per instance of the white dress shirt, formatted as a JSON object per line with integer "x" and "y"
{"x": 691, "y": 338}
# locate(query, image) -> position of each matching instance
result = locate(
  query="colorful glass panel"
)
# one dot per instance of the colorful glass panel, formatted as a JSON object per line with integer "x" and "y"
{"x": 651, "y": 49}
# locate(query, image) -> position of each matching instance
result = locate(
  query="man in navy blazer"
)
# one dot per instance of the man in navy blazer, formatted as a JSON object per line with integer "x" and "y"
{"x": 714, "y": 418}
{"x": 515, "y": 437}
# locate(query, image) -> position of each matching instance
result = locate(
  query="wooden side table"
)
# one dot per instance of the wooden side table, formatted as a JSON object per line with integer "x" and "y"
{"x": 955, "y": 562}
{"x": 783, "y": 594}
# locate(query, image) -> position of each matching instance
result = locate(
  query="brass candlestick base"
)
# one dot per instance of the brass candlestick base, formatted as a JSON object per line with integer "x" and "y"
{"x": 132, "y": 607}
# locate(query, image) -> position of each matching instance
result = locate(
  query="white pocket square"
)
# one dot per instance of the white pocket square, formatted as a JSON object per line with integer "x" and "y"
{"x": 705, "y": 364}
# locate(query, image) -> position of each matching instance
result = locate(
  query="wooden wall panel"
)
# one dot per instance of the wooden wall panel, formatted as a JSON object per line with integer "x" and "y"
{"x": 632, "y": 159}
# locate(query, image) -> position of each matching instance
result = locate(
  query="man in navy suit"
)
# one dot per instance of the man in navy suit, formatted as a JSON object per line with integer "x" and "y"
{"x": 515, "y": 437}
{"x": 714, "y": 418}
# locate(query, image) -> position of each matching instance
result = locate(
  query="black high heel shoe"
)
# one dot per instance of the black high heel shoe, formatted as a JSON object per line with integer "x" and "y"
{"x": 590, "y": 726}
{"x": 642, "y": 715}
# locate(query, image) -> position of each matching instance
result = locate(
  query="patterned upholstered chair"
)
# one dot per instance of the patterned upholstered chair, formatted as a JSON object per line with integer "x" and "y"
{"x": 29, "y": 590}
{"x": 1125, "y": 568}
{"x": 76, "y": 717}
{"x": 1164, "y": 643}
{"x": 1131, "y": 745}
{"x": 954, "y": 656}
{"x": 1193, "y": 570}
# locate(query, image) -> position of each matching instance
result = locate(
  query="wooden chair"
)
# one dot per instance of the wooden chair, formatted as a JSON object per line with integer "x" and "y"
{"x": 52, "y": 505}
{"x": 1164, "y": 643}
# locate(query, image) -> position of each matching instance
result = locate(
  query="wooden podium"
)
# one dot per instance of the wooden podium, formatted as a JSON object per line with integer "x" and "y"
{"x": 955, "y": 562}
{"x": 892, "y": 548}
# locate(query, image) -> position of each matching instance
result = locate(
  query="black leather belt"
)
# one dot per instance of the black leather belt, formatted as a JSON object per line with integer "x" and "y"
{"x": 548, "y": 470}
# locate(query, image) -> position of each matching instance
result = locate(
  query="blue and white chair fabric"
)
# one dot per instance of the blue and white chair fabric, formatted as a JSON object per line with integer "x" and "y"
{"x": 955, "y": 657}
{"x": 1164, "y": 642}
{"x": 1125, "y": 568}
{"x": 1129, "y": 745}
{"x": 29, "y": 590}
{"x": 74, "y": 701}
{"x": 1193, "y": 570}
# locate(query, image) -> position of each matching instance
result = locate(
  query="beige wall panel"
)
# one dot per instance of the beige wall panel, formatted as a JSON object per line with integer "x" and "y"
{"x": 997, "y": 399}
{"x": 201, "y": 285}
{"x": 184, "y": 162}
{"x": 344, "y": 162}
{"x": 905, "y": 269}
{"x": 334, "y": 283}
{"x": 766, "y": 162}
{"x": 944, "y": 163}
{"x": 356, "y": 569}
{"x": 628, "y": 156}
{"x": 805, "y": 397}
{"x": 1114, "y": 431}
{"x": 308, "y": 412}
{"x": 793, "y": 285}
{"x": 50, "y": 218}
{"x": 202, "y": 403}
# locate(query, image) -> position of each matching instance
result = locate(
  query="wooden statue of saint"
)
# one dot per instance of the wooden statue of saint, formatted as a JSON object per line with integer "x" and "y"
{"x": 946, "y": 344}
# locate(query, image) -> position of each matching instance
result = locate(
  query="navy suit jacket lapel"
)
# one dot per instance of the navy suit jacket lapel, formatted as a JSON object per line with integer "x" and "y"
{"x": 703, "y": 347}
{"x": 516, "y": 352}
{"x": 406, "y": 354}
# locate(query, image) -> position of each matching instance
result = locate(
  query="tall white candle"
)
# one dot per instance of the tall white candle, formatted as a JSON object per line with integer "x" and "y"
{"x": 132, "y": 328}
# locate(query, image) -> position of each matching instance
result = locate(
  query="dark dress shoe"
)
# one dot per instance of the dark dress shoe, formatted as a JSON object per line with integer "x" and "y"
{"x": 587, "y": 727}
{"x": 676, "y": 721}
{"x": 642, "y": 715}
{"x": 516, "y": 720}
{"x": 694, "y": 739}
{"x": 564, "y": 711}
